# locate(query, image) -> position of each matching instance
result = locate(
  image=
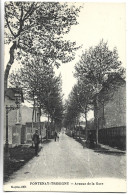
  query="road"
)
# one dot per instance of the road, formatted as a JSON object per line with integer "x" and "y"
{"x": 66, "y": 158}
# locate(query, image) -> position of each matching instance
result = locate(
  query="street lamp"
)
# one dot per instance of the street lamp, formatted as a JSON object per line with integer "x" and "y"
{"x": 8, "y": 109}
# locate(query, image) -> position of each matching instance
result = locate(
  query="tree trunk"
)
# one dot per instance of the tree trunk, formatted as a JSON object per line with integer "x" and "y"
{"x": 50, "y": 129}
{"x": 103, "y": 116}
{"x": 86, "y": 126}
{"x": 47, "y": 129}
{"x": 8, "y": 67}
{"x": 79, "y": 131}
{"x": 97, "y": 119}
{"x": 40, "y": 119}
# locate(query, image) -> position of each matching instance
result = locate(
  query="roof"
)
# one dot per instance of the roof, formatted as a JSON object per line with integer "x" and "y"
{"x": 10, "y": 93}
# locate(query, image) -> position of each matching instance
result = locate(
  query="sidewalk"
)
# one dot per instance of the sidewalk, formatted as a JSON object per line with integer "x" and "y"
{"x": 101, "y": 147}
{"x": 111, "y": 149}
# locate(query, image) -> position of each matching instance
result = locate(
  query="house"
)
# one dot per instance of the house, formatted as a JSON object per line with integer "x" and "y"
{"x": 29, "y": 131}
{"x": 28, "y": 114}
{"x": 112, "y": 112}
{"x": 17, "y": 119}
{"x": 12, "y": 118}
{"x": 30, "y": 121}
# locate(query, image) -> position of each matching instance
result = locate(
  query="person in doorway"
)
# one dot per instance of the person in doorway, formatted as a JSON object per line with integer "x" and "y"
{"x": 55, "y": 135}
{"x": 35, "y": 139}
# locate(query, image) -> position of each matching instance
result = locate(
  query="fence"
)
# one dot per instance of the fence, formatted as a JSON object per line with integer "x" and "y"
{"x": 115, "y": 137}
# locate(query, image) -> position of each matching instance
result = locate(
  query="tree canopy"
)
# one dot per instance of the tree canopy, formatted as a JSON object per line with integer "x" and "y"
{"x": 97, "y": 64}
{"x": 96, "y": 67}
{"x": 39, "y": 80}
{"x": 36, "y": 28}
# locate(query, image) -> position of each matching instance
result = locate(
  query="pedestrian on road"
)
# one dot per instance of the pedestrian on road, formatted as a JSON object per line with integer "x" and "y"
{"x": 36, "y": 141}
{"x": 91, "y": 140}
{"x": 55, "y": 135}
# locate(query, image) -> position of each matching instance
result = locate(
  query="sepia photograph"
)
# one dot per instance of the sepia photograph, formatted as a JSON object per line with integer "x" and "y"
{"x": 64, "y": 126}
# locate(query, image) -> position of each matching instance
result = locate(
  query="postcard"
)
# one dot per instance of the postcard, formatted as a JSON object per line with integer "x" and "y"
{"x": 64, "y": 96}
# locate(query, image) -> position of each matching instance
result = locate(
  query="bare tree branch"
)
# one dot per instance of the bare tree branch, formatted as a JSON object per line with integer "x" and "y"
{"x": 29, "y": 12}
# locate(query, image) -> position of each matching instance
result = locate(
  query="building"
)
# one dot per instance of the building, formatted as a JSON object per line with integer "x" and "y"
{"x": 112, "y": 113}
{"x": 112, "y": 110}
{"x": 29, "y": 114}
{"x": 30, "y": 121}
{"x": 29, "y": 129}
{"x": 13, "y": 117}
{"x": 20, "y": 125}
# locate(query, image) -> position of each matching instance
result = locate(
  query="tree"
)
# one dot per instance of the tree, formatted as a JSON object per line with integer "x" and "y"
{"x": 95, "y": 66}
{"x": 72, "y": 111}
{"x": 79, "y": 102}
{"x": 36, "y": 28}
{"x": 83, "y": 93}
{"x": 38, "y": 79}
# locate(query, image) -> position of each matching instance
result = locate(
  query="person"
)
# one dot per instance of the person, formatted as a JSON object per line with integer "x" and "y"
{"x": 55, "y": 135}
{"x": 91, "y": 139}
{"x": 35, "y": 139}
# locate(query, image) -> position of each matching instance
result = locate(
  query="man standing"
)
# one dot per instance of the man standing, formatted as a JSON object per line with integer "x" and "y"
{"x": 55, "y": 135}
{"x": 35, "y": 139}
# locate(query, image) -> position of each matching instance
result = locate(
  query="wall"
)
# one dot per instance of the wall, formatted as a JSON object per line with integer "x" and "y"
{"x": 29, "y": 131}
{"x": 115, "y": 109}
{"x": 113, "y": 113}
{"x": 12, "y": 119}
{"x": 26, "y": 114}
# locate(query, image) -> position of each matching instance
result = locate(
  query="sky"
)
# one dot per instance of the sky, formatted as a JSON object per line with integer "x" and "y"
{"x": 97, "y": 21}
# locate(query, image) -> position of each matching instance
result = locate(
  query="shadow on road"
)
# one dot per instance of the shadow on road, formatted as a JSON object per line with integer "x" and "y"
{"x": 109, "y": 152}
{"x": 46, "y": 141}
